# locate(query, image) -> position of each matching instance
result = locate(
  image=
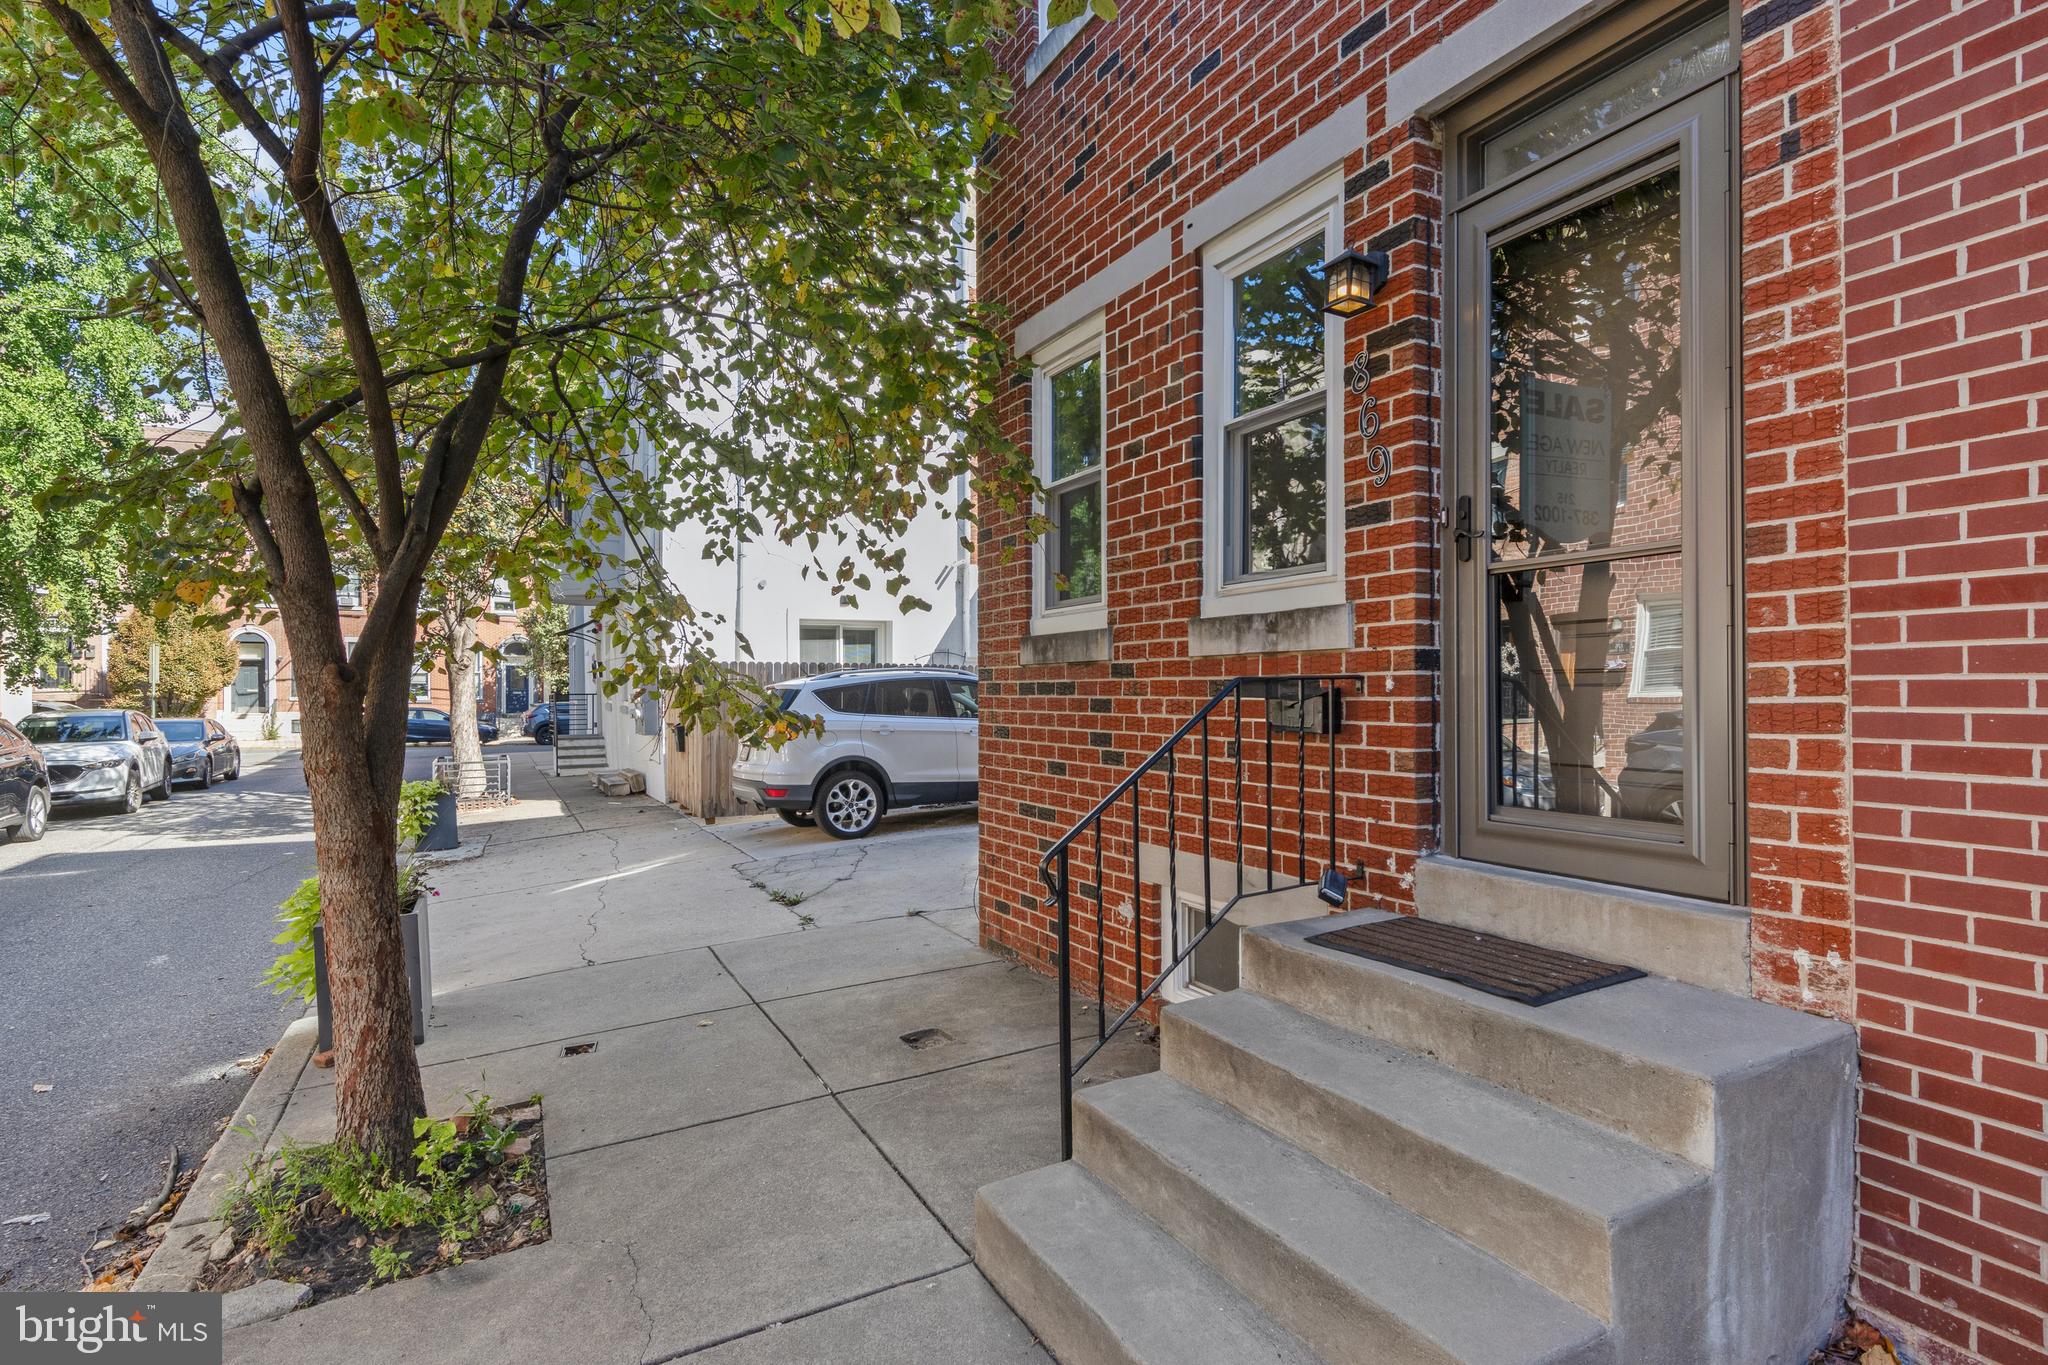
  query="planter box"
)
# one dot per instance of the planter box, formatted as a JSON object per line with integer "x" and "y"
{"x": 441, "y": 835}
{"x": 418, "y": 975}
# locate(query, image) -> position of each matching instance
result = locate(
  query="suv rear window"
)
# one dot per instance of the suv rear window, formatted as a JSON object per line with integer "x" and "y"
{"x": 848, "y": 700}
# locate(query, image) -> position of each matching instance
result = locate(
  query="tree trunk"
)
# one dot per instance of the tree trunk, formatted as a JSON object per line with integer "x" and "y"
{"x": 465, "y": 744}
{"x": 354, "y": 753}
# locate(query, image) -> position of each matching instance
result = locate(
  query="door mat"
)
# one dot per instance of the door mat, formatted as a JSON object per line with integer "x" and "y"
{"x": 1505, "y": 967}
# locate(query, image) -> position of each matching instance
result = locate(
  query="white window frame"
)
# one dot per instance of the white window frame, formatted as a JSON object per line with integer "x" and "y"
{"x": 1083, "y": 340}
{"x": 1052, "y": 41}
{"x": 1224, "y": 258}
{"x": 1645, "y": 604}
{"x": 839, "y": 629}
{"x": 501, "y": 591}
{"x": 419, "y": 691}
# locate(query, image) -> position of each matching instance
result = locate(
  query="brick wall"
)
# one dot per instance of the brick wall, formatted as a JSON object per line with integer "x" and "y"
{"x": 1137, "y": 121}
{"x": 1795, "y": 564}
{"x": 1945, "y": 183}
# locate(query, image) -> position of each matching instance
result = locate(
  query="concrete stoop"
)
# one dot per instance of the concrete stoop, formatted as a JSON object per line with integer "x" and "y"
{"x": 1344, "y": 1161}
{"x": 578, "y": 754}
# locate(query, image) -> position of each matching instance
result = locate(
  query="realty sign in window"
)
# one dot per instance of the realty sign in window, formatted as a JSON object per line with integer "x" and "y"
{"x": 1567, "y": 463}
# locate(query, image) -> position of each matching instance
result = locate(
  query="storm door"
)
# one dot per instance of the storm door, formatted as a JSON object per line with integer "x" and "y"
{"x": 1590, "y": 484}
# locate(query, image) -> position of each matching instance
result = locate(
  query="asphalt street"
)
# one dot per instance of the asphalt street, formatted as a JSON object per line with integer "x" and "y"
{"x": 132, "y": 953}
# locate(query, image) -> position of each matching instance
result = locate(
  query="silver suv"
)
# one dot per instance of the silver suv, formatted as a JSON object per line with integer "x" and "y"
{"x": 893, "y": 737}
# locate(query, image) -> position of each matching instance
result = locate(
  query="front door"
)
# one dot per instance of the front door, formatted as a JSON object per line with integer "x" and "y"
{"x": 1588, "y": 546}
{"x": 248, "y": 687}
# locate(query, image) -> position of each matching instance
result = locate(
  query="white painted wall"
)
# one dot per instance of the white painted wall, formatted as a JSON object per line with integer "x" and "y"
{"x": 15, "y": 698}
{"x": 766, "y": 595}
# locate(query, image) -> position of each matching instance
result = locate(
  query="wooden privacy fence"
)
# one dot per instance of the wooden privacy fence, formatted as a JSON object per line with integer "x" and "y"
{"x": 699, "y": 772}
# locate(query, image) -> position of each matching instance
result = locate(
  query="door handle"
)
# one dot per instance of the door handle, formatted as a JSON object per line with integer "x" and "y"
{"x": 1463, "y": 532}
{"x": 885, "y": 729}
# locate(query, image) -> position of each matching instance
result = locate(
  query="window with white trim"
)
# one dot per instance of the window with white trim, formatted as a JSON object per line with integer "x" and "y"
{"x": 1069, "y": 418}
{"x": 349, "y": 595}
{"x": 1273, "y": 413}
{"x": 1658, "y": 671}
{"x": 422, "y": 688}
{"x": 501, "y": 597}
{"x": 840, "y": 642}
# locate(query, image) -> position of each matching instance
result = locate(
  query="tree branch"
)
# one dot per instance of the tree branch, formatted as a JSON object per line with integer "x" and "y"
{"x": 256, "y": 35}
{"x": 335, "y": 407}
{"x": 104, "y": 66}
{"x": 309, "y": 191}
{"x": 217, "y": 71}
{"x": 337, "y": 476}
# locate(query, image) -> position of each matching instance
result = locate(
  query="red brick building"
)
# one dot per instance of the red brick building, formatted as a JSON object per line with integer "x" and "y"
{"x": 1678, "y": 505}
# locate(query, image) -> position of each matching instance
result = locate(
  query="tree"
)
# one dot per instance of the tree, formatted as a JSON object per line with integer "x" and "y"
{"x": 528, "y": 240}
{"x": 484, "y": 544}
{"x": 76, "y": 377}
{"x": 546, "y": 627}
{"x": 194, "y": 661}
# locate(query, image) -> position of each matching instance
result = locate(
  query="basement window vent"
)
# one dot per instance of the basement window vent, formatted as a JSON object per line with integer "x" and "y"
{"x": 578, "y": 1049}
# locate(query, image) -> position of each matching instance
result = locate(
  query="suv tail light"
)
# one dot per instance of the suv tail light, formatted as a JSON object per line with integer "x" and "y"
{"x": 776, "y": 792}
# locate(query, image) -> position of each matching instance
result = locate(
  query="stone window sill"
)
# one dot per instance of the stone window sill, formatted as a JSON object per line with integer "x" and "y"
{"x": 1291, "y": 631}
{"x": 1067, "y": 647}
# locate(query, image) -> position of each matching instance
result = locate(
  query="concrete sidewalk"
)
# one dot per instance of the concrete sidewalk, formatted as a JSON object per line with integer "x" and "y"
{"x": 753, "y": 1165}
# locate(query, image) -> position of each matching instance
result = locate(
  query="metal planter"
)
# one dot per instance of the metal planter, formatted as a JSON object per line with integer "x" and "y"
{"x": 419, "y": 976}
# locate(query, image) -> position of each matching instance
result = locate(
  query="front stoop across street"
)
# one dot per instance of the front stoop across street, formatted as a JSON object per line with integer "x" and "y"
{"x": 752, "y": 1165}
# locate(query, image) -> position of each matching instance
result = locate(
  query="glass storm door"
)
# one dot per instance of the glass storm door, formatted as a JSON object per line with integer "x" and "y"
{"x": 1590, "y": 503}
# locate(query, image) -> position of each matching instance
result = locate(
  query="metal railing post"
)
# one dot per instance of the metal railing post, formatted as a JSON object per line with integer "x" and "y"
{"x": 1066, "y": 1016}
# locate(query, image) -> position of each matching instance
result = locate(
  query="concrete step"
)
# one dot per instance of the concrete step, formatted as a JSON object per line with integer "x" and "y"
{"x": 1353, "y": 1274}
{"x": 1103, "y": 1285}
{"x": 579, "y": 743}
{"x": 1686, "y": 940}
{"x": 1590, "y": 1215}
{"x": 1650, "y": 1059}
{"x": 1760, "y": 1097}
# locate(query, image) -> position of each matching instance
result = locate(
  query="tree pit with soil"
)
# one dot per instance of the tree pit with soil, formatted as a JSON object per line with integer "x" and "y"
{"x": 341, "y": 1221}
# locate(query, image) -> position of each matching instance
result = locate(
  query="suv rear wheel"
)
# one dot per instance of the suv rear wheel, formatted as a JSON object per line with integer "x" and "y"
{"x": 849, "y": 804}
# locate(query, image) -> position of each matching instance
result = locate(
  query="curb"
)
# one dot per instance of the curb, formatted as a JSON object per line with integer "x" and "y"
{"x": 177, "y": 1261}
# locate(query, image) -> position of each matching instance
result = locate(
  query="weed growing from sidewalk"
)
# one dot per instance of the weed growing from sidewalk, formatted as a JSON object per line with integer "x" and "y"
{"x": 342, "y": 1219}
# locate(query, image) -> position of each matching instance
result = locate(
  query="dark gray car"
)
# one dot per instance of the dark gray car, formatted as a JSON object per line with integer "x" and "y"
{"x": 202, "y": 751}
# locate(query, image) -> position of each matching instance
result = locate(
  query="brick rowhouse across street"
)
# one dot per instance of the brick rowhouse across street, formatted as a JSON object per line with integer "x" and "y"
{"x": 1792, "y": 659}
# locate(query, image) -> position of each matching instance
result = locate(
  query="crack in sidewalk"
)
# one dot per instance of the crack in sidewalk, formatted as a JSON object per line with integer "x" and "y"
{"x": 603, "y": 899}
{"x": 860, "y": 856}
{"x": 639, "y": 1301}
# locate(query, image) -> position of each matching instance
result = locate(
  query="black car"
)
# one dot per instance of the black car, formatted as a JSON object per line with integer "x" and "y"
{"x": 202, "y": 751}
{"x": 24, "y": 788}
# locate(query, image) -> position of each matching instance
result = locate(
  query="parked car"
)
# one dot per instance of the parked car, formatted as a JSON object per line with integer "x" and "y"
{"x": 892, "y": 737}
{"x": 24, "y": 788}
{"x": 429, "y": 725}
{"x": 102, "y": 757}
{"x": 202, "y": 751}
{"x": 540, "y": 723}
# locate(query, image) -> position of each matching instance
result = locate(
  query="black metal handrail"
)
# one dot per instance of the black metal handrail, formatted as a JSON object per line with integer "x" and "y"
{"x": 574, "y": 714}
{"x": 1317, "y": 709}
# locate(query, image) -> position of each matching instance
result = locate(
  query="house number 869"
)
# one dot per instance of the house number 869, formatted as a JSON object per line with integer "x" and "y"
{"x": 1379, "y": 461}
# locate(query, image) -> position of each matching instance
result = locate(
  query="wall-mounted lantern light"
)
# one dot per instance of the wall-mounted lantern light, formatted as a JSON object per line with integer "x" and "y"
{"x": 1350, "y": 279}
